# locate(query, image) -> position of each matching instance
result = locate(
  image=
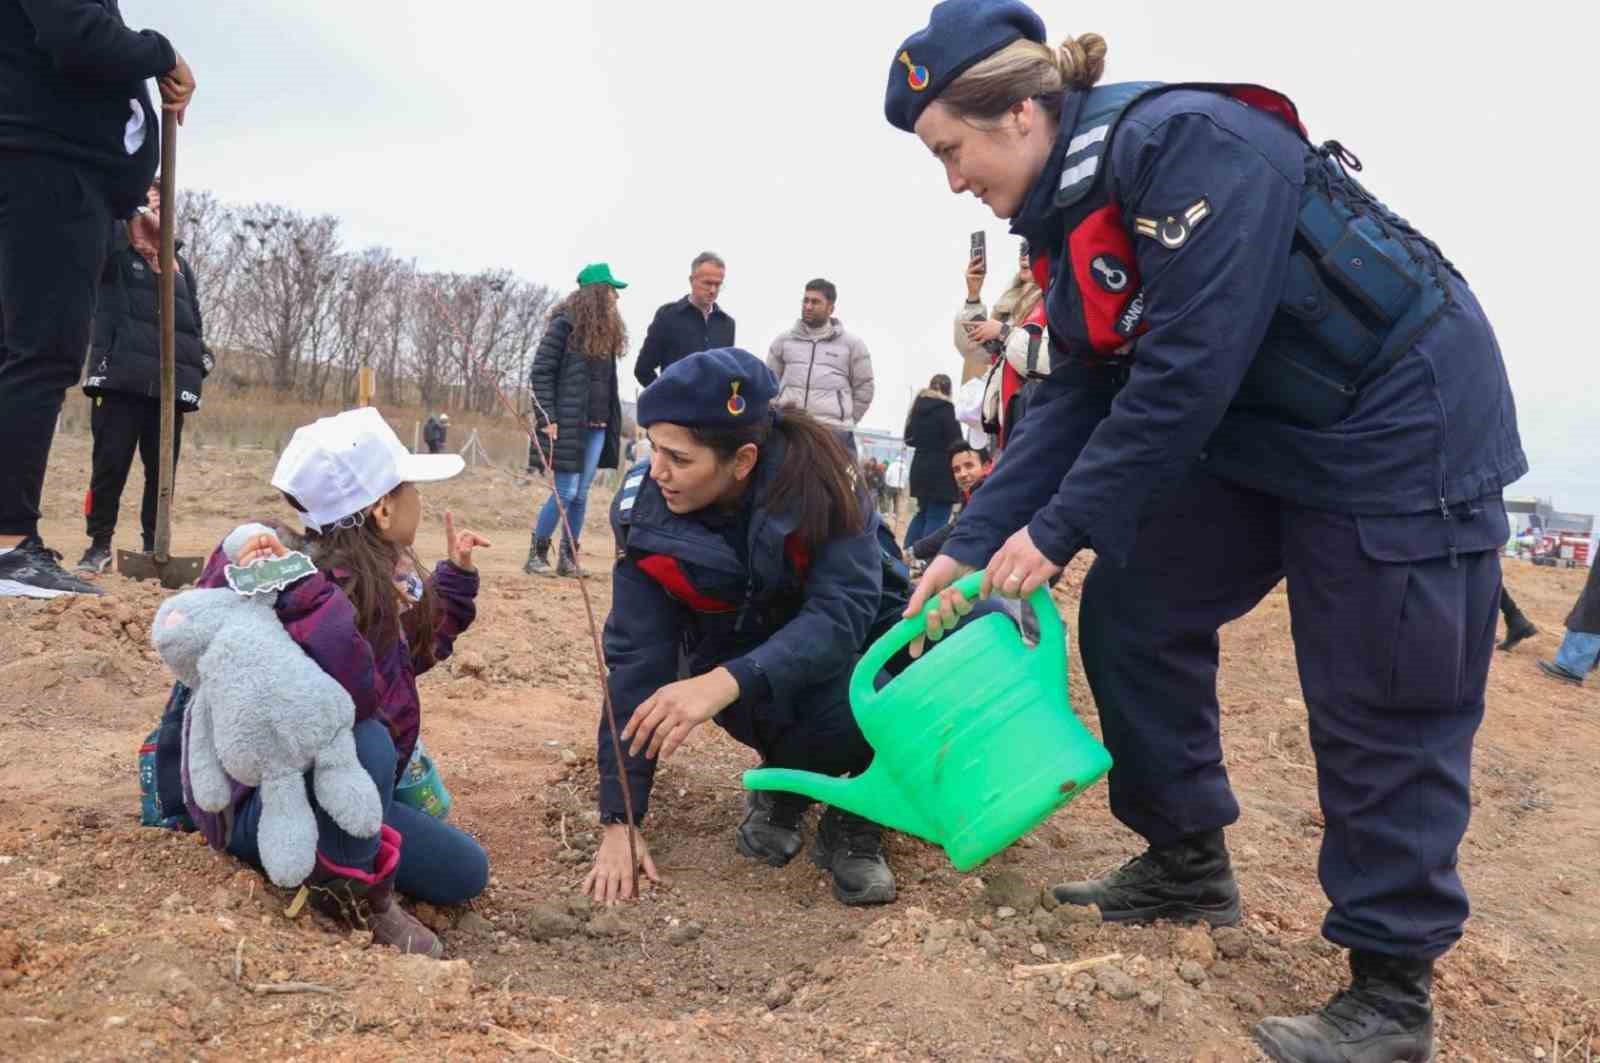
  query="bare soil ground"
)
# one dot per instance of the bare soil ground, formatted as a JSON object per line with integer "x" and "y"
{"x": 120, "y": 942}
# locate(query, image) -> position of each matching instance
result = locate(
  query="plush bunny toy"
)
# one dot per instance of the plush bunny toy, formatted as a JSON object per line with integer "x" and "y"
{"x": 263, "y": 713}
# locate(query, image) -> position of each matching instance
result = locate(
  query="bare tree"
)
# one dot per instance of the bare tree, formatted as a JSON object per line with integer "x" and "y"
{"x": 288, "y": 271}
{"x": 278, "y": 284}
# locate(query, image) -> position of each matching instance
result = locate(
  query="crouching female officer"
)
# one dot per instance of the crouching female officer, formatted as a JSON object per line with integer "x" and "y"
{"x": 749, "y": 578}
{"x": 1260, "y": 373}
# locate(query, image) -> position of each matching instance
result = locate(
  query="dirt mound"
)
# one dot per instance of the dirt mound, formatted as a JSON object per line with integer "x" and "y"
{"x": 120, "y": 942}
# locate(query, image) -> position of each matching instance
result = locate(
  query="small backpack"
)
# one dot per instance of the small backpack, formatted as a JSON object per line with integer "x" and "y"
{"x": 161, "y": 801}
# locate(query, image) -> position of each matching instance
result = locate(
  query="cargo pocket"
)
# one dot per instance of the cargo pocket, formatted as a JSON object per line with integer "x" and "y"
{"x": 1437, "y": 621}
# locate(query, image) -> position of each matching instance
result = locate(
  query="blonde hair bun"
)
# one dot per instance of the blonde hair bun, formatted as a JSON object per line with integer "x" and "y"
{"x": 1082, "y": 60}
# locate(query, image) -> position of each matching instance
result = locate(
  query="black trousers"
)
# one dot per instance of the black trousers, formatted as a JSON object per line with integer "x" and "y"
{"x": 120, "y": 424}
{"x": 55, "y": 227}
{"x": 1393, "y": 635}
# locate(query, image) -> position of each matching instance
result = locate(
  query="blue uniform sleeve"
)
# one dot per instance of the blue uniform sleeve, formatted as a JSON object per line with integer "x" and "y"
{"x": 1208, "y": 303}
{"x": 826, "y": 635}
{"x": 1062, "y": 413}
{"x": 641, "y": 646}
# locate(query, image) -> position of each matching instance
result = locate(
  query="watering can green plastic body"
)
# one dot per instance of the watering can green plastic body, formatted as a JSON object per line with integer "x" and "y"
{"x": 974, "y": 745}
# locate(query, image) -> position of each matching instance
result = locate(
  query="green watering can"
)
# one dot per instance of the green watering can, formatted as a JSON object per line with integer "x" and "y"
{"x": 975, "y": 744}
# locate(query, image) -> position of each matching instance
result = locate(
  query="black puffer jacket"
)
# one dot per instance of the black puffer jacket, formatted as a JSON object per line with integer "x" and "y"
{"x": 931, "y": 427}
{"x": 560, "y": 379}
{"x": 126, "y": 355}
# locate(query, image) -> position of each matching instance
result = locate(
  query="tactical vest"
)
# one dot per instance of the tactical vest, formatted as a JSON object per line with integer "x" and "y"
{"x": 1361, "y": 283}
{"x": 733, "y": 616}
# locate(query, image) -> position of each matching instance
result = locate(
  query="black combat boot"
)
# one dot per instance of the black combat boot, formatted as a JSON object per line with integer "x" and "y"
{"x": 1189, "y": 882}
{"x": 1386, "y": 1016}
{"x": 851, "y": 848}
{"x": 538, "y": 563}
{"x": 771, "y": 828}
{"x": 1518, "y": 628}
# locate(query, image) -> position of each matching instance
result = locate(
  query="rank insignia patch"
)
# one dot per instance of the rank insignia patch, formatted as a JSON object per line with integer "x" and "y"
{"x": 1172, "y": 231}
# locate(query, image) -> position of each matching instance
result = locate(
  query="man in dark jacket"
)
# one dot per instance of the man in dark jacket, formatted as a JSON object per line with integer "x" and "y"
{"x": 124, "y": 384}
{"x": 693, "y": 323}
{"x": 78, "y": 147}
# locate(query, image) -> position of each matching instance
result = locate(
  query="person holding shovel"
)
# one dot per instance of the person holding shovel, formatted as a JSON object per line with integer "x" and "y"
{"x": 1259, "y": 373}
{"x": 78, "y": 147}
{"x": 750, "y": 576}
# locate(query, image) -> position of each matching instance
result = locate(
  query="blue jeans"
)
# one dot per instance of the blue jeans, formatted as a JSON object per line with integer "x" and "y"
{"x": 931, "y": 516}
{"x": 573, "y": 487}
{"x": 438, "y": 863}
{"x": 1579, "y": 654}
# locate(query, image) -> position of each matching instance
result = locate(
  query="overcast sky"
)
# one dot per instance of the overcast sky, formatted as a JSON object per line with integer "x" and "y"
{"x": 541, "y": 136}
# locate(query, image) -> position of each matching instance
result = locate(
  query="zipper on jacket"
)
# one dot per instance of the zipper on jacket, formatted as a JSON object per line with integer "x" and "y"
{"x": 805, "y": 400}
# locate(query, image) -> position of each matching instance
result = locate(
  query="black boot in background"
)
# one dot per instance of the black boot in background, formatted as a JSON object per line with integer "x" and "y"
{"x": 567, "y": 565}
{"x": 1190, "y": 882}
{"x": 1385, "y": 1016}
{"x": 538, "y": 563}
{"x": 1518, "y": 628}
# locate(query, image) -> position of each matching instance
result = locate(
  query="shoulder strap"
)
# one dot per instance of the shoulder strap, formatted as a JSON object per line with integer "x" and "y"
{"x": 1099, "y": 110}
{"x": 1103, "y": 107}
{"x": 632, "y": 484}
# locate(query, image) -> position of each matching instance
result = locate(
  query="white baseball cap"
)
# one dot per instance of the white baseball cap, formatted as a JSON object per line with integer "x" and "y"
{"x": 338, "y": 466}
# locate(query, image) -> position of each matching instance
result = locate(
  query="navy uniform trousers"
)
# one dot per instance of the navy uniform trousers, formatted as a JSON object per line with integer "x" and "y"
{"x": 1393, "y": 635}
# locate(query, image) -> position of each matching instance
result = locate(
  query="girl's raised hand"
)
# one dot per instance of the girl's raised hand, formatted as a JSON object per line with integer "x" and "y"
{"x": 458, "y": 546}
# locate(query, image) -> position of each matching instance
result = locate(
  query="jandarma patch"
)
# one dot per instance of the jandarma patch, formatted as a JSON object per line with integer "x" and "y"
{"x": 1172, "y": 231}
{"x": 916, "y": 74}
{"x": 736, "y": 403}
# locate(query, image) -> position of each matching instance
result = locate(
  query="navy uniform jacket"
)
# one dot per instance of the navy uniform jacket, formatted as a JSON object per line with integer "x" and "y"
{"x": 785, "y": 623}
{"x": 678, "y": 330}
{"x": 1436, "y": 431}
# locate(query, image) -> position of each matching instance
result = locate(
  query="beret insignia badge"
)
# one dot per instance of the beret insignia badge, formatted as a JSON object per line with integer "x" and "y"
{"x": 916, "y": 74}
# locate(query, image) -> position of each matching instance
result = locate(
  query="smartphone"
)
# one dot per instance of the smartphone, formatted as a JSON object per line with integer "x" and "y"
{"x": 979, "y": 248}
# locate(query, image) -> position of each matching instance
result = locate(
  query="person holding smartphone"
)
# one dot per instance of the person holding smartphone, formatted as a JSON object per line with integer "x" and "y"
{"x": 1006, "y": 347}
{"x": 1260, "y": 374}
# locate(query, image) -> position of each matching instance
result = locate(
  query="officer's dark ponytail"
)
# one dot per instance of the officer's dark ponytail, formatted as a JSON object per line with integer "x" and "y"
{"x": 817, "y": 483}
{"x": 1026, "y": 70}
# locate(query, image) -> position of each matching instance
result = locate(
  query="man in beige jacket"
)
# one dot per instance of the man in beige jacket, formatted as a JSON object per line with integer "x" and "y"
{"x": 820, "y": 367}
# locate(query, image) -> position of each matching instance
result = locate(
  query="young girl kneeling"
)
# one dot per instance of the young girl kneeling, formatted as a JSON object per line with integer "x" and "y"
{"x": 374, "y": 625}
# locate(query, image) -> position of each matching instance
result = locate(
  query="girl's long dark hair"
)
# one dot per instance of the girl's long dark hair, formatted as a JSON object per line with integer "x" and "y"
{"x": 370, "y": 561}
{"x": 818, "y": 483}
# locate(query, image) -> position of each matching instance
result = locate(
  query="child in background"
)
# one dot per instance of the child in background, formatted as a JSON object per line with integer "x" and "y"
{"x": 374, "y": 624}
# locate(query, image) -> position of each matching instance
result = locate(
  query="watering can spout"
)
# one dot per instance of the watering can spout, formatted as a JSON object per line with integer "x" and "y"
{"x": 866, "y": 796}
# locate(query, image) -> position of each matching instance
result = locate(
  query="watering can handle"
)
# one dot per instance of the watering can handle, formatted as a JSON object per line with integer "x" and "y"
{"x": 1052, "y": 640}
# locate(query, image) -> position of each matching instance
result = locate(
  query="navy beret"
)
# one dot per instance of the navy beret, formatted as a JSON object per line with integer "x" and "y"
{"x": 723, "y": 388}
{"x": 959, "y": 34}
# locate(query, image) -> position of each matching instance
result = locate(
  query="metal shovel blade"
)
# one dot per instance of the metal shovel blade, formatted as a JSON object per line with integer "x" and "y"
{"x": 173, "y": 573}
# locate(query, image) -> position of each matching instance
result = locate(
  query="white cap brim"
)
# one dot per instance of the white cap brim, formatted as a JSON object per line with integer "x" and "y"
{"x": 427, "y": 468}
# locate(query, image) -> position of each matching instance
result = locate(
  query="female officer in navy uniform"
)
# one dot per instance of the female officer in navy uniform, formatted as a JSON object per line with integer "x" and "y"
{"x": 750, "y": 576}
{"x": 1259, "y": 373}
